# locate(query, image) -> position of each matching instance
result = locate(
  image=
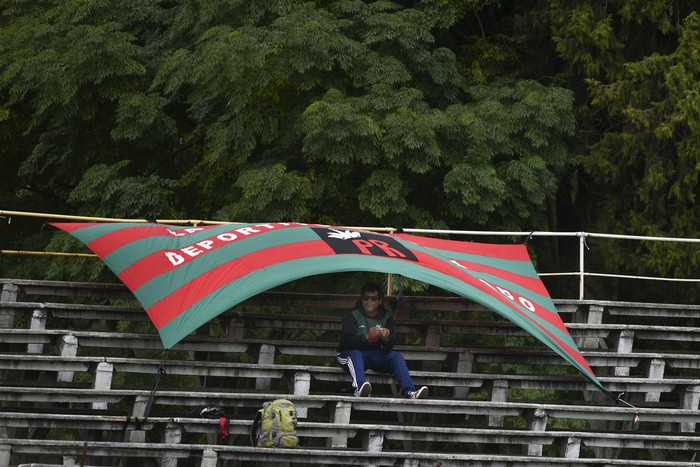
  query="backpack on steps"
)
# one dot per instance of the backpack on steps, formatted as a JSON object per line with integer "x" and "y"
{"x": 213, "y": 412}
{"x": 275, "y": 425}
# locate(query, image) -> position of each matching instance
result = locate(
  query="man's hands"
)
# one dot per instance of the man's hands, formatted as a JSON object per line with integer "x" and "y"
{"x": 377, "y": 332}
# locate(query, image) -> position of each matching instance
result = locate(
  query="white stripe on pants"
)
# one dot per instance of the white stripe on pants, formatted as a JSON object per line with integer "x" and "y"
{"x": 346, "y": 362}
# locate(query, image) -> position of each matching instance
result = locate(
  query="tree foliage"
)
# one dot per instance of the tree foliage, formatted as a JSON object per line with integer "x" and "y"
{"x": 345, "y": 112}
{"x": 464, "y": 114}
{"x": 638, "y": 139}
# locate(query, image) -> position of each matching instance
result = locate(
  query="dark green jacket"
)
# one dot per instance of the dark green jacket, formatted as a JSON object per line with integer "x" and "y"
{"x": 355, "y": 326}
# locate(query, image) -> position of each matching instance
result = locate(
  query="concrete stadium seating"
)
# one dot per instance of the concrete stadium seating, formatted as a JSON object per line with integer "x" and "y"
{"x": 68, "y": 366}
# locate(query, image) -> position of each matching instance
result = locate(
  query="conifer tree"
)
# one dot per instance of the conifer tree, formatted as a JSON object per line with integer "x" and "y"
{"x": 637, "y": 69}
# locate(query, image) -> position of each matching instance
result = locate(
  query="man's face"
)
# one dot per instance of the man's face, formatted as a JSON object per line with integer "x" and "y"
{"x": 370, "y": 302}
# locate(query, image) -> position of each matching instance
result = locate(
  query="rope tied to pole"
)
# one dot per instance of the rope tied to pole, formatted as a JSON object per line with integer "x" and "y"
{"x": 637, "y": 418}
{"x": 529, "y": 237}
{"x": 161, "y": 372}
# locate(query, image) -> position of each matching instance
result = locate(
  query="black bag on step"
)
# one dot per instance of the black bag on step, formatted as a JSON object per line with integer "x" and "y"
{"x": 213, "y": 412}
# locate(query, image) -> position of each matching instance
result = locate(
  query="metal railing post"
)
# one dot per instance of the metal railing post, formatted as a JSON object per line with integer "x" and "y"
{"x": 581, "y": 245}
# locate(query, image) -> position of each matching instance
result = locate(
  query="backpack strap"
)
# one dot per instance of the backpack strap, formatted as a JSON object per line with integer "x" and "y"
{"x": 224, "y": 424}
{"x": 255, "y": 428}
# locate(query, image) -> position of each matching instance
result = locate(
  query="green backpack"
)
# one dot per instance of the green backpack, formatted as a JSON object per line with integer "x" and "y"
{"x": 275, "y": 425}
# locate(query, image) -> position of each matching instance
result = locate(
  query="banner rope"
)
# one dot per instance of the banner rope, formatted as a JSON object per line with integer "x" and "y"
{"x": 637, "y": 418}
{"x": 151, "y": 396}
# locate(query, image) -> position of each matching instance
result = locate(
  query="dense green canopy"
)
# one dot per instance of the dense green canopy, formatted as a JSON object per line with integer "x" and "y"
{"x": 467, "y": 114}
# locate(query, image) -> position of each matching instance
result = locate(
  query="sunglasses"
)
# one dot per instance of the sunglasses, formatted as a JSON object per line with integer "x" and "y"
{"x": 371, "y": 298}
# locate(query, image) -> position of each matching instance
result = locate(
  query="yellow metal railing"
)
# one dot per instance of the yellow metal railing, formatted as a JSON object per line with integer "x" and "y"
{"x": 582, "y": 236}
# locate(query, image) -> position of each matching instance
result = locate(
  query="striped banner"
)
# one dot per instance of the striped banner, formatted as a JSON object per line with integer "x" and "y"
{"x": 186, "y": 276}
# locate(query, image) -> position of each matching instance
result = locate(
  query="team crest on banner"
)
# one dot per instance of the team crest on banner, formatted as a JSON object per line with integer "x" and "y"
{"x": 348, "y": 242}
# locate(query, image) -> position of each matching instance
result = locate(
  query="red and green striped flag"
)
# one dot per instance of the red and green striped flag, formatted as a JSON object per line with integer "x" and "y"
{"x": 186, "y": 276}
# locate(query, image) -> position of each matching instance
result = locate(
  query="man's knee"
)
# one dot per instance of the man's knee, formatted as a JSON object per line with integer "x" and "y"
{"x": 346, "y": 355}
{"x": 396, "y": 357}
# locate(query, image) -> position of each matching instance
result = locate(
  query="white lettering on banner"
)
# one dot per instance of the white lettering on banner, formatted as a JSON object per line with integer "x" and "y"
{"x": 508, "y": 294}
{"x": 174, "y": 258}
{"x": 505, "y": 292}
{"x": 527, "y": 303}
{"x": 192, "y": 251}
{"x": 247, "y": 231}
{"x": 178, "y": 257}
{"x": 227, "y": 237}
{"x": 183, "y": 232}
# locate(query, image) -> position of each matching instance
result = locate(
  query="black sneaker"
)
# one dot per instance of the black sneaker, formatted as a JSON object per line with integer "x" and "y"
{"x": 364, "y": 391}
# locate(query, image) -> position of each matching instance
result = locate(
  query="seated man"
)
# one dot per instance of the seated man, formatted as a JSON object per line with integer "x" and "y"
{"x": 366, "y": 340}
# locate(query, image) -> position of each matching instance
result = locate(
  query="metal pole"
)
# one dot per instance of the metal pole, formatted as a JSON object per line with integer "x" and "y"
{"x": 46, "y": 253}
{"x": 581, "y": 244}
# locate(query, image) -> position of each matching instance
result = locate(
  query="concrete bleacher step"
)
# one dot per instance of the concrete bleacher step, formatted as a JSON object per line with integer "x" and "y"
{"x": 210, "y": 455}
{"x": 341, "y": 409}
{"x": 624, "y": 337}
{"x": 300, "y": 379}
{"x": 374, "y": 434}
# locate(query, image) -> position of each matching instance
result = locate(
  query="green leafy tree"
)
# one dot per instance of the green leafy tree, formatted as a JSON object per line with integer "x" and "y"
{"x": 75, "y": 74}
{"x": 353, "y": 114}
{"x": 461, "y": 114}
{"x": 346, "y": 112}
{"x": 636, "y": 67}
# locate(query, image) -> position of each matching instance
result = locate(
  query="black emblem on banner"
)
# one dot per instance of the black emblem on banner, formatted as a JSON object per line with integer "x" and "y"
{"x": 345, "y": 242}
